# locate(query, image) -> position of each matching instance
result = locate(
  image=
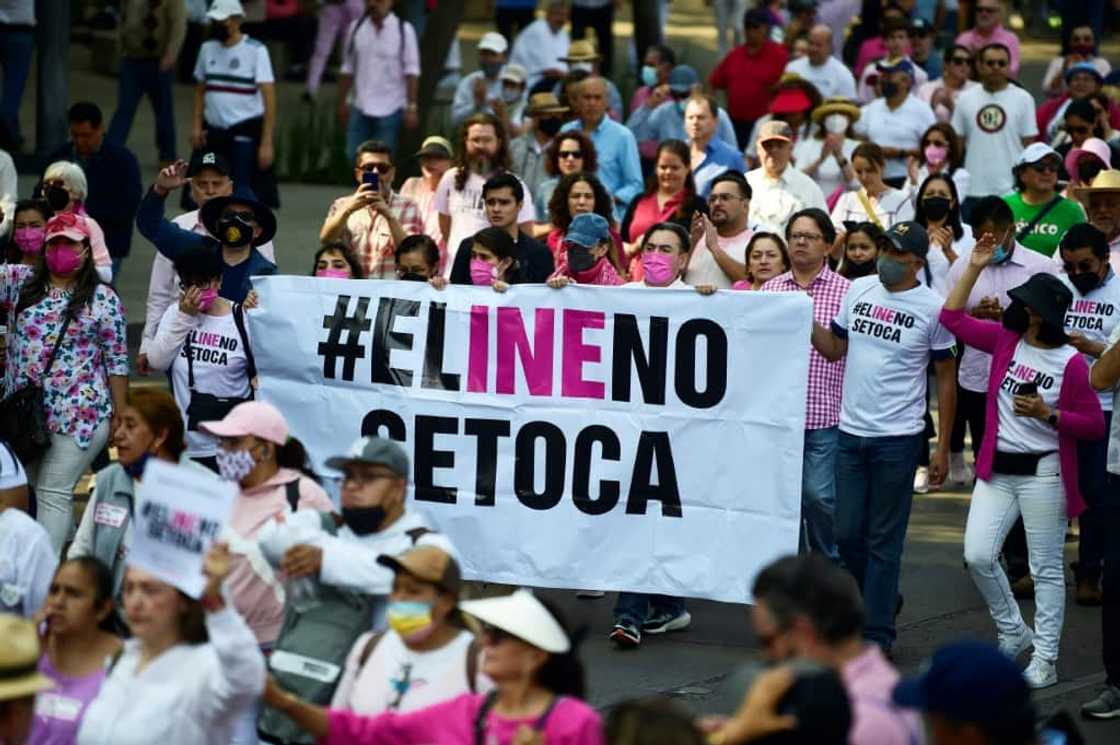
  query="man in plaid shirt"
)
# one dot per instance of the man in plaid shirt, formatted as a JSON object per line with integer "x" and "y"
{"x": 374, "y": 219}
{"x": 810, "y": 235}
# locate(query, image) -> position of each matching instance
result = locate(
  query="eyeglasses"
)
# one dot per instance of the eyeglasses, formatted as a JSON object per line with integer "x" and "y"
{"x": 379, "y": 167}
{"x": 794, "y": 237}
{"x": 960, "y": 60}
{"x": 1046, "y": 165}
{"x": 570, "y": 154}
{"x": 717, "y": 198}
{"x": 364, "y": 479}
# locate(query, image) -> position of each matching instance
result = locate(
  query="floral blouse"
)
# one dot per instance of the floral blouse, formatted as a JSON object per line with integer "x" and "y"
{"x": 77, "y": 388}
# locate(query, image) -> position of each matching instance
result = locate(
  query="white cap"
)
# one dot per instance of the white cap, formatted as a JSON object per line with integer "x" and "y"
{"x": 223, "y": 9}
{"x": 492, "y": 41}
{"x": 514, "y": 73}
{"x": 523, "y": 616}
{"x": 1035, "y": 152}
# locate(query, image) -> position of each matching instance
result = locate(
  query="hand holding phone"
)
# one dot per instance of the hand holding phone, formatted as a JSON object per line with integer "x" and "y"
{"x": 372, "y": 178}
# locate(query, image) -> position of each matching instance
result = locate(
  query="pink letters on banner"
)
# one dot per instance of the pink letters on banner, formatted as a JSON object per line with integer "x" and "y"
{"x": 536, "y": 361}
{"x": 576, "y": 353}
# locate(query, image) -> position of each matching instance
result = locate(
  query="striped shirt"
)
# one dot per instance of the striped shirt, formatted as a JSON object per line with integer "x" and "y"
{"x": 232, "y": 76}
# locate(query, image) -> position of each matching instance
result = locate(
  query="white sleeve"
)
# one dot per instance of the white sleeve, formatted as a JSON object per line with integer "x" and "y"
{"x": 12, "y": 475}
{"x": 958, "y": 122}
{"x": 161, "y": 294}
{"x": 411, "y": 51}
{"x": 240, "y": 673}
{"x": 263, "y": 70}
{"x": 860, "y": 126}
{"x": 528, "y": 211}
{"x": 352, "y": 564}
{"x": 841, "y": 318}
{"x": 200, "y": 64}
{"x": 341, "y": 697}
{"x": 9, "y": 190}
{"x": 173, "y": 330}
{"x": 37, "y": 571}
{"x": 847, "y": 87}
{"x": 347, "y": 50}
{"x": 441, "y": 201}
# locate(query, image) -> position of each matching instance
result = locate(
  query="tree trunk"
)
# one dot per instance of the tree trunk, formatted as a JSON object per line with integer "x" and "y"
{"x": 52, "y": 80}
{"x": 647, "y": 25}
{"x": 442, "y": 26}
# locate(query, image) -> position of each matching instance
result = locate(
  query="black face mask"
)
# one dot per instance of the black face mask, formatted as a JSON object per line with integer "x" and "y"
{"x": 549, "y": 126}
{"x": 413, "y": 277}
{"x": 889, "y": 90}
{"x": 580, "y": 259}
{"x": 1085, "y": 282}
{"x": 363, "y": 520}
{"x": 219, "y": 31}
{"x": 1052, "y": 335}
{"x": 1016, "y": 318}
{"x": 860, "y": 268}
{"x": 1087, "y": 170}
{"x": 57, "y": 198}
{"x": 937, "y": 208}
{"x": 235, "y": 232}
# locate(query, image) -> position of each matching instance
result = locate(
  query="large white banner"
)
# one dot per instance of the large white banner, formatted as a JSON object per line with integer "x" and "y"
{"x": 598, "y": 438}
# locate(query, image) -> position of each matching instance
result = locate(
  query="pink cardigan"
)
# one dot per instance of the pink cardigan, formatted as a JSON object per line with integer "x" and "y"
{"x": 1079, "y": 404}
{"x": 571, "y": 722}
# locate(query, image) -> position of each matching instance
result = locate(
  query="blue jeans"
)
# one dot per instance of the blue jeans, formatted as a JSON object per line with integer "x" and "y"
{"x": 818, "y": 491}
{"x": 637, "y": 607}
{"x": 140, "y": 77}
{"x": 17, "y": 43}
{"x": 874, "y": 491}
{"x": 361, "y": 128}
{"x": 1092, "y": 479}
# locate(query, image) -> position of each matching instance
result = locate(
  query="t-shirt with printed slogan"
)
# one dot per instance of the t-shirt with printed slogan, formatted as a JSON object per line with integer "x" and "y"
{"x": 1095, "y": 316}
{"x": 468, "y": 215}
{"x": 220, "y": 369}
{"x": 1045, "y": 236}
{"x": 1046, "y": 368}
{"x": 891, "y": 338}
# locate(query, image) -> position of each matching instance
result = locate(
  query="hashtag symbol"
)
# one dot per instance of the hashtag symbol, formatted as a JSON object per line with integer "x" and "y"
{"x": 352, "y": 351}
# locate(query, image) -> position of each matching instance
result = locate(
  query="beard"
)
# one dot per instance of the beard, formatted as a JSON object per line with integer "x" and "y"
{"x": 482, "y": 164}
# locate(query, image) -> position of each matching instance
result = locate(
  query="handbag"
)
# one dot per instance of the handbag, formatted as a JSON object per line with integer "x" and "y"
{"x": 23, "y": 414}
{"x": 206, "y": 407}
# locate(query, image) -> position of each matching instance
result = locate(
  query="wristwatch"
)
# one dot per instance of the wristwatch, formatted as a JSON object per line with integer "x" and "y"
{"x": 1052, "y": 420}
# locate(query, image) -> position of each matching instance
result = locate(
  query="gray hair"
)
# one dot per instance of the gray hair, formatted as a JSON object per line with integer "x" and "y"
{"x": 70, "y": 174}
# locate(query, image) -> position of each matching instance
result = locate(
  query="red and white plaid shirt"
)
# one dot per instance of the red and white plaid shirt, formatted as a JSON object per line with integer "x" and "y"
{"x": 826, "y": 379}
{"x": 369, "y": 237}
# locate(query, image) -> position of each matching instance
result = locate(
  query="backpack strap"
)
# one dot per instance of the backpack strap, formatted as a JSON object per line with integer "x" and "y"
{"x": 371, "y": 644}
{"x": 473, "y": 651}
{"x": 250, "y": 361}
{"x": 417, "y": 533}
{"x": 1022, "y": 234}
{"x": 291, "y": 493}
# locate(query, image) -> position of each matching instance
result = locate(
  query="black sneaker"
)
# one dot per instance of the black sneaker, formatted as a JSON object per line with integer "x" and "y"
{"x": 664, "y": 622}
{"x": 626, "y": 636}
{"x": 1105, "y": 706}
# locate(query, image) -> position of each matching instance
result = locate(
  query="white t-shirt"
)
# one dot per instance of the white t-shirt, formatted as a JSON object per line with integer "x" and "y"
{"x": 829, "y": 175}
{"x": 232, "y": 76}
{"x": 993, "y": 126}
{"x": 1046, "y": 367}
{"x": 902, "y": 128}
{"x": 27, "y": 563}
{"x": 426, "y": 677}
{"x": 12, "y": 474}
{"x": 1095, "y": 316}
{"x": 891, "y": 338}
{"x": 892, "y": 206}
{"x": 468, "y": 215}
{"x": 833, "y": 79}
{"x": 220, "y": 367}
{"x": 939, "y": 265}
{"x": 702, "y": 266}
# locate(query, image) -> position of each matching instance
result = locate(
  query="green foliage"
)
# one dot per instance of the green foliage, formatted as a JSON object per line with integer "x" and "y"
{"x": 311, "y": 147}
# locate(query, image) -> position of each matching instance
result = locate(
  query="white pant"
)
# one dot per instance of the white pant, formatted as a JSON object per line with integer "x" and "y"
{"x": 996, "y": 504}
{"x": 729, "y": 23}
{"x": 54, "y": 477}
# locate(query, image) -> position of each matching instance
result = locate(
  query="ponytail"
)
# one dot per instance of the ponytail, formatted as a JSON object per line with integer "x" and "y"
{"x": 293, "y": 455}
{"x": 563, "y": 674}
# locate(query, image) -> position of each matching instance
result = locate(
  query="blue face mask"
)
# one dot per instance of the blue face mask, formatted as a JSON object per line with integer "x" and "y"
{"x": 136, "y": 468}
{"x": 649, "y": 76}
{"x": 682, "y": 105}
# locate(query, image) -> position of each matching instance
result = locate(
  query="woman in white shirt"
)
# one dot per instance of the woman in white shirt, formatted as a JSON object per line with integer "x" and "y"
{"x": 941, "y": 151}
{"x": 939, "y": 212}
{"x": 827, "y": 155}
{"x": 204, "y": 342}
{"x": 190, "y": 668}
{"x": 874, "y": 201}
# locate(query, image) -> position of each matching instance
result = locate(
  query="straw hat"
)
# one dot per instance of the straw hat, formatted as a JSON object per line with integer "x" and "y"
{"x": 523, "y": 616}
{"x": 582, "y": 50}
{"x": 19, "y": 659}
{"x": 835, "y": 105}
{"x": 1105, "y": 182}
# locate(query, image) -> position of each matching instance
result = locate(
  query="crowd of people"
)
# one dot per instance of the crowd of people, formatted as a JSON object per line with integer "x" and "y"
{"x": 957, "y": 233}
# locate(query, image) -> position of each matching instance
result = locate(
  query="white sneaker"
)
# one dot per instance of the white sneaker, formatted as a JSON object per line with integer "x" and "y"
{"x": 1041, "y": 673}
{"x": 959, "y": 471}
{"x": 1013, "y": 646}
{"x": 921, "y": 480}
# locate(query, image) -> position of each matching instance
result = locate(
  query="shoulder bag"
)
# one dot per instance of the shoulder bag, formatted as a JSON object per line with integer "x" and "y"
{"x": 206, "y": 407}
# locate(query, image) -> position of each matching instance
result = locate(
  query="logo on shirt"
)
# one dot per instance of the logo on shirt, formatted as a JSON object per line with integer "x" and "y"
{"x": 991, "y": 118}
{"x": 881, "y": 323}
{"x": 234, "y": 63}
{"x": 1088, "y": 315}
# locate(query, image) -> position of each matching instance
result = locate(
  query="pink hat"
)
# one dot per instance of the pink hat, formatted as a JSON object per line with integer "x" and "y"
{"x": 1092, "y": 146}
{"x": 68, "y": 225}
{"x": 250, "y": 418}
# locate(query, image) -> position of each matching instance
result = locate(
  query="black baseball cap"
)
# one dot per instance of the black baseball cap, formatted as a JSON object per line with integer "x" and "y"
{"x": 757, "y": 17}
{"x": 207, "y": 159}
{"x": 909, "y": 237}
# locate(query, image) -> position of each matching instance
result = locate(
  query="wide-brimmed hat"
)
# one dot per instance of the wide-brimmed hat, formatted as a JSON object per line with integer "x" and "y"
{"x": 1094, "y": 146}
{"x": 582, "y": 50}
{"x": 211, "y": 214}
{"x": 1106, "y": 182}
{"x": 435, "y": 147}
{"x": 544, "y": 104}
{"x": 429, "y": 564}
{"x": 19, "y": 659}
{"x": 1045, "y": 295}
{"x": 836, "y": 105}
{"x": 523, "y": 616}
{"x": 255, "y": 418}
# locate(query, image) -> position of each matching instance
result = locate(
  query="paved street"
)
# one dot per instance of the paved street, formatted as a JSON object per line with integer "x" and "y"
{"x": 941, "y": 602}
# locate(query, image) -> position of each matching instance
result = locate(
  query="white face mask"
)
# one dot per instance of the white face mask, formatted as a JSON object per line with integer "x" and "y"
{"x": 581, "y": 67}
{"x": 836, "y": 124}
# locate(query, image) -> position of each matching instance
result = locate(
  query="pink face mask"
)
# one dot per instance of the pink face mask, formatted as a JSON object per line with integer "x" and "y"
{"x": 30, "y": 240}
{"x": 936, "y": 154}
{"x": 660, "y": 268}
{"x": 206, "y": 298}
{"x": 63, "y": 259}
{"x": 482, "y": 273}
{"x": 333, "y": 273}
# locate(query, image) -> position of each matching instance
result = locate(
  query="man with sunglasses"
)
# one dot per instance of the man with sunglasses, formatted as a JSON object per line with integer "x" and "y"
{"x": 989, "y": 30}
{"x": 996, "y": 122}
{"x": 1042, "y": 214}
{"x": 374, "y": 219}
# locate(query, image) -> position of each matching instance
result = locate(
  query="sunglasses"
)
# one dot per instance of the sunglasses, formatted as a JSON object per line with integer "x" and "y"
{"x": 494, "y": 635}
{"x": 960, "y": 60}
{"x": 570, "y": 154}
{"x": 1045, "y": 166}
{"x": 379, "y": 167}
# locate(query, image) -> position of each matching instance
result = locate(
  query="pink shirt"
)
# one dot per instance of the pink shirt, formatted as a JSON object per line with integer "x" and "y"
{"x": 571, "y": 722}
{"x": 974, "y": 40}
{"x": 379, "y": 59}
{"x": 870, "y": 680}
{"x": 417, "y": 189}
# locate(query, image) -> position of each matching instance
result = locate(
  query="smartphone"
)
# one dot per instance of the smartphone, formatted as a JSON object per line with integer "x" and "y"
{"x": 372, "y": 177}
{"x": 1027, "y": 389}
